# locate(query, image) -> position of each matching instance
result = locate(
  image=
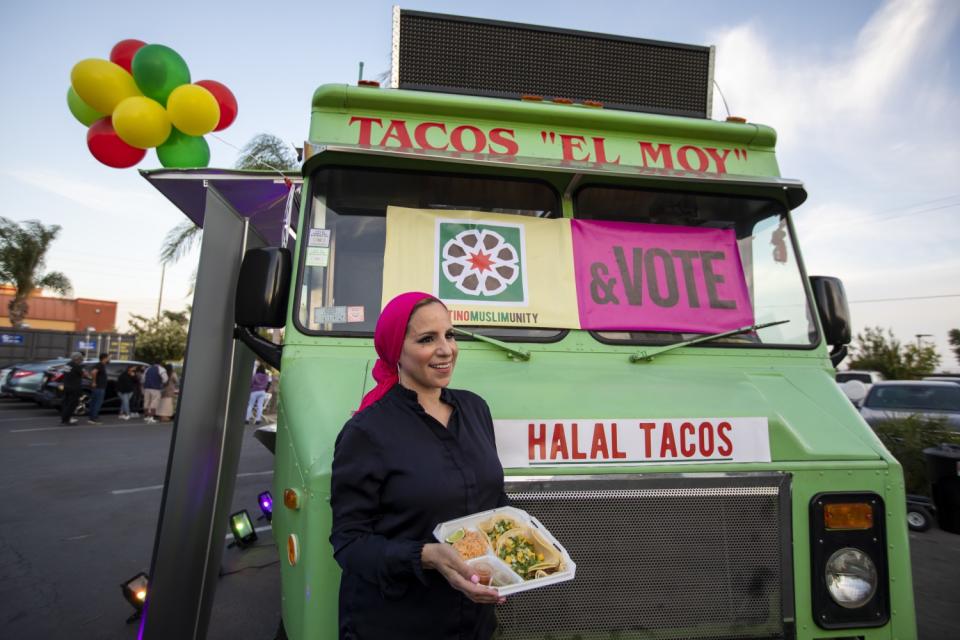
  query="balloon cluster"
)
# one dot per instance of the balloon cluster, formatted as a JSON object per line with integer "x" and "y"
{"x": 142, "y": 98}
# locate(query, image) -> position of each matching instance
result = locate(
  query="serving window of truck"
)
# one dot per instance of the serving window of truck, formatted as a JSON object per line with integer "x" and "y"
{"x": 659, "y": 364}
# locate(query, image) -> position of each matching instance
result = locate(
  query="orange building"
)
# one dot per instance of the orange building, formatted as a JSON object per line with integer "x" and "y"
{"x": 62, "y": 314}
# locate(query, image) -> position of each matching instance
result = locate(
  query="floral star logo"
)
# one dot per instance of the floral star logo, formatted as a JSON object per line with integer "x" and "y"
{"x": 480, "y": 262}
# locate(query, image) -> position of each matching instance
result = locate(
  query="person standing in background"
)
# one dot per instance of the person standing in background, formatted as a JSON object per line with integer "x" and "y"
{"x": 168, "y": 396}
{"x": 72, "y": 381}
{"x": 126, "y": 384}
{"x": 154, "y": 378}
{"x": 258, "y": 393}
{"x": 99, "y": 390}
{"x": 136, "y": 402}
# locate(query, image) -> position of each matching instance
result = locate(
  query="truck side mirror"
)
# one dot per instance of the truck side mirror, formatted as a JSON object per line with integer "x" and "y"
{"x": 263, "y": 287}
{"x": 831, "y": 301}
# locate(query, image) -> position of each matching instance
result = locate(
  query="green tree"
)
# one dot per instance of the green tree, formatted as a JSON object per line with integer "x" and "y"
{"x": 954, "y": 337}
{"x": 162, "y": 339}
{"x": 878, "y": 351}
{"x": 906, "y": 438}
{"x": 23, "y": 250}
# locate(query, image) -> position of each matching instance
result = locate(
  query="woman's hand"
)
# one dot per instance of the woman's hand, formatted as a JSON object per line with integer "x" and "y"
{"x": 446, "y": 560}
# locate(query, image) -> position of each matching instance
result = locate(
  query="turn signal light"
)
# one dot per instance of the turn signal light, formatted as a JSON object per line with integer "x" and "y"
{"x": 293, "y": 549}
{"x": 848, "y": 516}
{"x": 291, "y": 499}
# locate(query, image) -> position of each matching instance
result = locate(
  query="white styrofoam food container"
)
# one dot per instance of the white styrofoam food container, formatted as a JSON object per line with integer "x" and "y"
{"x": 501, "y": 570}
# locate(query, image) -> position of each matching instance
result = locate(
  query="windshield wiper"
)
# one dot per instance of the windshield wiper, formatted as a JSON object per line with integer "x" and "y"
{"x": 648, "y": 355}
{"x": 512, "y": 352}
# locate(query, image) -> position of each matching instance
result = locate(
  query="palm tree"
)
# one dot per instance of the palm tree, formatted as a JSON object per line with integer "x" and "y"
{"x": 263, "y": 152}
{"x": 23, "y": 249}
{"x": 267, "y": 152}
{"x": 180, "y": 241}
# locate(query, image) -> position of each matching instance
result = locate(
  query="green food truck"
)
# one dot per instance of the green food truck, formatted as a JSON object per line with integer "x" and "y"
{"x": 632, "y": 302}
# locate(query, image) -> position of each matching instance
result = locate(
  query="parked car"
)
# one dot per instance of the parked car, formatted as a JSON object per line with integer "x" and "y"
{"x": 856, "y": 383}
{"x": 866, "y": 377}
{"x": 25, "y": 380}
{"x": 902, "y": 398}
{"x": 953, "y": 379}
{"x": 3, "y": 380}
{"x": 52, "y": 392}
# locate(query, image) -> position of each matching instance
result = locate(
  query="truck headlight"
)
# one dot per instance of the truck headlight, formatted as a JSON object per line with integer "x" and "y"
{"x": 848, "y": 560}
{"x": 851, "y": 577}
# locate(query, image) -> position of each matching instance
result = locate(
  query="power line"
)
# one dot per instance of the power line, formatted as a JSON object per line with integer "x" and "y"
{"x": 873, "y": 219}
{"x": 945, "y": 295}
{"x": 913, "y": 213}
{"x": 919, "y": 204}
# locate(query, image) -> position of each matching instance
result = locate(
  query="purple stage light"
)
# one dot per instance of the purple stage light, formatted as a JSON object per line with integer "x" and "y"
{"x": 266, "y": 504}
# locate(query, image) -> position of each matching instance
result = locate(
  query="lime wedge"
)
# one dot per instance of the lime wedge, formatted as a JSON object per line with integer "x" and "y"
{"x": 456, "y": 535}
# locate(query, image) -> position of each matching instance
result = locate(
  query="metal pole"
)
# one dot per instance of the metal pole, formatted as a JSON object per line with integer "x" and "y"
{"x": 163, "y": 272}
{"x": 206, "y": 440}
{"x": 920, "y": 337}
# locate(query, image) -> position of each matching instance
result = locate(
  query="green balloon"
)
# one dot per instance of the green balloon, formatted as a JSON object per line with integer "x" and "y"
{"x": 158, "y": 70}
{"x": 83, "y": 112}
{"x": 181, "y": 151}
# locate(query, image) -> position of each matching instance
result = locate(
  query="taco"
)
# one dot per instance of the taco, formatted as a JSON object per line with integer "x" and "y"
{"x": 527, "y": 553}
{"x": 497, "y": 526}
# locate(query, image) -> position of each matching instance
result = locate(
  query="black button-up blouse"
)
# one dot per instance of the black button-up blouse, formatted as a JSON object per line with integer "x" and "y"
{"x": 397, "y": 473}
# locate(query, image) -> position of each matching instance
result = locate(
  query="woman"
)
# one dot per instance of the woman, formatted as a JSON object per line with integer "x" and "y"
{"x": 259, "y": 386}
{"x": 127, "y": 383}
{"x": 415, "y": 454}
{"x": 168, "y": 395}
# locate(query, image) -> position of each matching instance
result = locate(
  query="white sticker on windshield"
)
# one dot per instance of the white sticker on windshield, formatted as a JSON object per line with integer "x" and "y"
{"x": 330, "y": 315}
{"x": 318, "y": 256}
{"x": 319, "y": 237}
{"x": 354, "y": 314}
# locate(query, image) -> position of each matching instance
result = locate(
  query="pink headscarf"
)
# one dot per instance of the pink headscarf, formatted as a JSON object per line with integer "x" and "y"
{"x": 388, "y": 341}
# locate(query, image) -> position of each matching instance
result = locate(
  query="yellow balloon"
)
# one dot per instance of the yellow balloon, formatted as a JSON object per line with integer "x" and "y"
{"x": 141, "y": 122}
{"x": 102, "y": 84}
{"x": 193, "y": 109}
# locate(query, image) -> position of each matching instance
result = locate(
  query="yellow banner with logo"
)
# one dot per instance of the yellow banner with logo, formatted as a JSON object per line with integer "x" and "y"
{"x": 489, "y": 269}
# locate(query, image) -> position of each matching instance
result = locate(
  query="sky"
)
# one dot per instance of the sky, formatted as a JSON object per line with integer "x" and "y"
{"x": 863, "y": 94}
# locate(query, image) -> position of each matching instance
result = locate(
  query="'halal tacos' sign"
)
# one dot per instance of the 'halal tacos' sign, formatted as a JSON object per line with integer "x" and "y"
{"x": 480, "y": 263}
{"x": 630, "y": 441}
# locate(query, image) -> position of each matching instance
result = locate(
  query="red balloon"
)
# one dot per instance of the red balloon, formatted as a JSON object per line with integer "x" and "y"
{"x": 226, "y": 100}
{"x": 123, "y": 52}
{"x": 107, "y": 147}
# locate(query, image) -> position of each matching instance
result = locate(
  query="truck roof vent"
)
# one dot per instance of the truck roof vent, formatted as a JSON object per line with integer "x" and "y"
{"x": 453, "y": 54}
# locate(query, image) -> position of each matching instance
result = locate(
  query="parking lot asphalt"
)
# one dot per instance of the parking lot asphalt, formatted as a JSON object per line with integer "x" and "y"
{"x": 80, "y": 507}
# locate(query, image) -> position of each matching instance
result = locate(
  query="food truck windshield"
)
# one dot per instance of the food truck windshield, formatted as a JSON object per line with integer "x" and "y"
{"x": 342, "y": 257}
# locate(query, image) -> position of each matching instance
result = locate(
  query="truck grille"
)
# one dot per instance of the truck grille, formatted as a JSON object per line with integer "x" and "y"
{"x": 672, "y": 557}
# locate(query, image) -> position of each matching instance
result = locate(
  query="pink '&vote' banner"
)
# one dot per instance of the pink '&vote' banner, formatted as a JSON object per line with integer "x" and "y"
{"x": 650, "y": 277}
